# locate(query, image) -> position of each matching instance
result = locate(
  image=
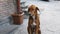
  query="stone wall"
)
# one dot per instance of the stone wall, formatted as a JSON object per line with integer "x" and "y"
{"x": 7, "y": 7}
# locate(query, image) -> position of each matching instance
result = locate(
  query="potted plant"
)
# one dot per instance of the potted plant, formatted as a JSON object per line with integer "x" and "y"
{"x": 18, "y": 16}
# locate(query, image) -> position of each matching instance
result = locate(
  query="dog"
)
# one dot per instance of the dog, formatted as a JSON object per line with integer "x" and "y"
{"x": 33, "y": 22}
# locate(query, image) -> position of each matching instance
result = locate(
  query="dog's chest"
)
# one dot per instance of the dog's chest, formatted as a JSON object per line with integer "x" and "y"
{"x": 33, "y": 24}
{"x": 34, "y": 20}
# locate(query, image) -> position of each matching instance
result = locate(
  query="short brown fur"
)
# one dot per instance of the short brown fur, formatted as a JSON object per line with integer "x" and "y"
{"x": 33, "y": 10}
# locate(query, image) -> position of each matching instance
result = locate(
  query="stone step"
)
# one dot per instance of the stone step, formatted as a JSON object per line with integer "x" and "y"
{"x": 6, "y": 27}
{"x": 4, "y": 20}
{"x": 24, "y": 7}
{"x": 25, "y": 10}
{"x": 22, "y": 2}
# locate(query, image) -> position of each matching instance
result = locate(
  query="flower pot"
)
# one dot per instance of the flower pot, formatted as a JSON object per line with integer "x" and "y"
{"x": 18, "y": 19}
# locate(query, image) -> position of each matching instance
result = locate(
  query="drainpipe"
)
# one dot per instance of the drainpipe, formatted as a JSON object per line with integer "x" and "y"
{"x": 19, "y": 11}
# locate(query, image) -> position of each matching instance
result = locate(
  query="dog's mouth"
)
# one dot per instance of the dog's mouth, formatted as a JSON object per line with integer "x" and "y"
{"x": 30, "y": 15}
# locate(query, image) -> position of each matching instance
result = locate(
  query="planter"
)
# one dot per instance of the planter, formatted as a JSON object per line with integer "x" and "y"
{"x": 18, "y": 19}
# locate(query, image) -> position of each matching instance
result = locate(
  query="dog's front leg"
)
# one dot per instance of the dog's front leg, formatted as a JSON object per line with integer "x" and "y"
{"x": 39, "y": 31}
{"x": 36, "y": 30}
{"x": 29, "y": 30}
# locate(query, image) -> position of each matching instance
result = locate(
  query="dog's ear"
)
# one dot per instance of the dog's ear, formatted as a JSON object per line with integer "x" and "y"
{"x": 28, "y": 9}
{"x": 37, "y": 8}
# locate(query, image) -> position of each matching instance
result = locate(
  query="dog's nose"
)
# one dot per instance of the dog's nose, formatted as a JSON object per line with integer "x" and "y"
{"x": 29, "y": 14}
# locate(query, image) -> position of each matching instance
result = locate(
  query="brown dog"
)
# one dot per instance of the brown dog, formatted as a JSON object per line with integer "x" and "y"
{"x": 33, "y": 23}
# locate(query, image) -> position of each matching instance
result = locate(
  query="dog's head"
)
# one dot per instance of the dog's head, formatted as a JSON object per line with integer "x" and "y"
{"x": 32, "y": 10}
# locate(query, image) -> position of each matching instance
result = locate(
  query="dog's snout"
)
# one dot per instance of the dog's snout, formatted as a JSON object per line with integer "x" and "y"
{"x": 29, "y": 14}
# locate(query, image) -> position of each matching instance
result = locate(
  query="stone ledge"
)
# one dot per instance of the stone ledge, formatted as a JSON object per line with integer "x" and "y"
{"x": 7, "y": 28}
